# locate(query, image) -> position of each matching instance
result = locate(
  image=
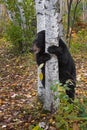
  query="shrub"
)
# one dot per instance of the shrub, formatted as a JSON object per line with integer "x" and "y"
{"x": 71, "y": 116}
{"x": 21, "y": 28}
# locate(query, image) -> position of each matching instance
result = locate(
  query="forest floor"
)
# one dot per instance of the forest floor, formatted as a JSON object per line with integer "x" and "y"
{"x": 19, "y": 108}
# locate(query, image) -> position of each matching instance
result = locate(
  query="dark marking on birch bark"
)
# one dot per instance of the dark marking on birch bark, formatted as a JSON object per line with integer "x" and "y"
{"x": 57, "y": 6}
{"x": 40, "y": 1}
{"x": 52, "y": 26}
{"x": 40, "y": 13}
{"x": 45, "y": 7}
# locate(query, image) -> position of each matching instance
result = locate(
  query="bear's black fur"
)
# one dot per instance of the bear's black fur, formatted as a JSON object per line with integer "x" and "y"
{"x": 39, "y": 51}
{"x": 67, "y": 71}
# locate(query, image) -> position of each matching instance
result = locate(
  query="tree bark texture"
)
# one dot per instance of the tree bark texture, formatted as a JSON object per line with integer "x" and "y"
{"x": 52, "y": 19}
{"x": 40, "y": 13}
{"x": 49, "y": 19}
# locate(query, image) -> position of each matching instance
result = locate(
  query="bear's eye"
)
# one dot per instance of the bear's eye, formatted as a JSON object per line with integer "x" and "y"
{"x": 36, "y": 50}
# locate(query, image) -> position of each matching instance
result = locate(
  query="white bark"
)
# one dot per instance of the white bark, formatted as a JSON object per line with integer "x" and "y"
{"x": 49, "y": 19}
{"x": 40, "y": 12}
{"x": 10, "y": 14}
{"x": 21, "y": 14}
{"x": 84, "y": 10}
{"x": 51, "y": 70}
{"x": 39, "y": 4}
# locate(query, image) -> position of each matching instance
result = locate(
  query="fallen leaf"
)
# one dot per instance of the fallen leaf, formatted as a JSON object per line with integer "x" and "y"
{"x": 75, "y": 126}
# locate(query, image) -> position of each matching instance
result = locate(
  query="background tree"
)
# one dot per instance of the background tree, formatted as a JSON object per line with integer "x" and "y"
{"x": 21, "y": 26}
{"x": 40, "y": 13}
{"x": 71, "y": 20}
{"x": 71, "y": 11}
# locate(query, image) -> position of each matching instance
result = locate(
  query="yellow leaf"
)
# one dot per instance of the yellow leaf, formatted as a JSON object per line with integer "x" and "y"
{"x": 1, "y": 102}
{"x": 52, "y": 121}
{"x": 33, "y": 94}
{"x": 36, "y": 128}
{"x": 43, "y": 115}
{"x": 61, "y": 89}
{"x": 41, "y": 76}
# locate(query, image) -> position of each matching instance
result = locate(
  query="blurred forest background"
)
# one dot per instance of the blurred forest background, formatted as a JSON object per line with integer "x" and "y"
{"x": 18, "y": 21}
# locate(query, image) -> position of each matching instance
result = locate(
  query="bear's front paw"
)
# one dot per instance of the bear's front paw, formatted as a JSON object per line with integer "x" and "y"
{"x": 46, "y": 57}
{"x": 52, "y": 49}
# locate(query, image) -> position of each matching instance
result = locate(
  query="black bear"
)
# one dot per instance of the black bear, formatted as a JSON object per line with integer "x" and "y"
{"x": 39, "y": 50}
{"x": 67, "y": 71}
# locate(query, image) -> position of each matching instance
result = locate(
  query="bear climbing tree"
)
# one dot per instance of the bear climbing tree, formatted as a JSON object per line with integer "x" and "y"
{"x": 49, "y": 19}
{"x": 67, "y": 71}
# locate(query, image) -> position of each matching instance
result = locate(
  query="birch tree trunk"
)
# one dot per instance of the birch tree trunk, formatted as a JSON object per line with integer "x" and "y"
{"x": 49, "y": 19}
{"x": 52, "y": 19}
{"x": 40, "y": 12}
{"x": 22, "y": 17}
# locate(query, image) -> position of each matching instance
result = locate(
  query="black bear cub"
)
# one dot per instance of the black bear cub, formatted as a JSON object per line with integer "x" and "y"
{"x": 67, "y": 71}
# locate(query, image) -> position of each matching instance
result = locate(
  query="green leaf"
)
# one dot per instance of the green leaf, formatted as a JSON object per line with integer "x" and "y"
{"x": 37, "y": 128}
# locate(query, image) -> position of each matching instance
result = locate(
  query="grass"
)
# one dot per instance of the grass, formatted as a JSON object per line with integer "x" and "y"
{"x": 78, "y": 48}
